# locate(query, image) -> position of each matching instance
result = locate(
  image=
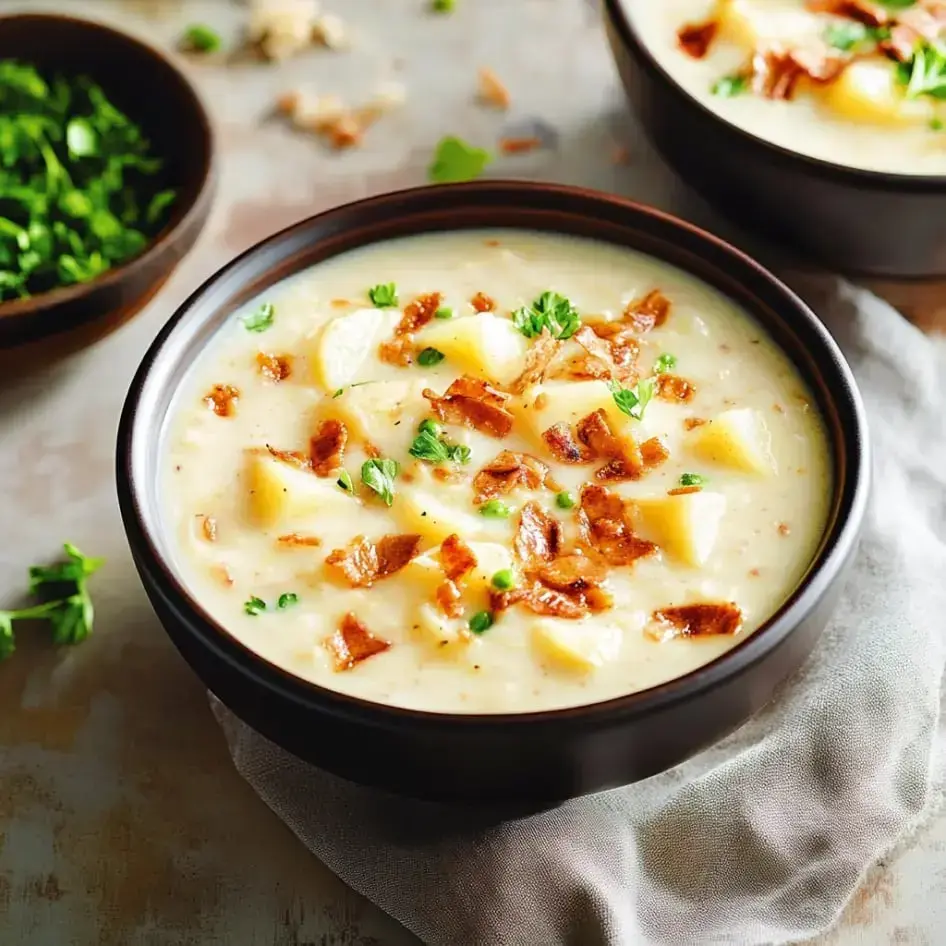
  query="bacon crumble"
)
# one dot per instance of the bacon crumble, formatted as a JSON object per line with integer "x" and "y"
{"x": 364, "y": 562}
{"x": 275, "y": 367}
{"x": 482, "y": 303}
{"x": 864, "y": 11}
{"x": 520, "y": 145}
{"x": 296, "y": 540}
{"x": 671, "y": 387}
{"x": 539, "y": 358}
{"x": 691, "y": 423}
{"x": 471, "y": 402}
{"x": 606, "y": 529}
{"x": 208, "y": 528}
{"x": 695, "y": 39}
{"x": 648, "y": 312}
{"x": 654, "y": 452}
{"x": 352, "y": 643}
{"x": 697, "y": 620}
{"x": 684, "y": 490}
{"x": 507, "y": 471}
{"x": 776, "y": 70}
{"x": 621, "y": 451}
{"x": 292, "y": 457}
{"x": 456, "y": 558}
{"x": 327, "y": 447}
{"x": 222, "y": 399}
{"x": 448, "y": 598}
{"x": 558, "y": 438}
{"x": 539, "y": 536}
{"x": 417, "y": 313}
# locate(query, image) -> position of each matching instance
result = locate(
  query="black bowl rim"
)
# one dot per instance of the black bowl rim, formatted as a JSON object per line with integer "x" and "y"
{"x": 183, "y": 215}
{"x": 822, "y": 572}
{"x": 622, "y": 19}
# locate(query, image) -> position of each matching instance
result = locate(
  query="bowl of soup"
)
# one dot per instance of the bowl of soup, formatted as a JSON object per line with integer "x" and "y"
{"x": 819, "y": 123}
{"x": 499, "y": 491}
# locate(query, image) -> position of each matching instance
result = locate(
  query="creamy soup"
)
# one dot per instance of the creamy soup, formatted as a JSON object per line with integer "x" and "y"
{"x": 853, "y": 82}
{"x": 493, "y": 472}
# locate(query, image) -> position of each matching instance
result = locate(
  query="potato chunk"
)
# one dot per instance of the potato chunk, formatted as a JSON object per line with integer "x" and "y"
{"x": 684, "y": 526}
{"x": 751, "y": 22}
{"x": 277, "y": 490}
{"x": 447, "y": 635}
{"x": 868, "y": 91}
{"x": 737, "y": 438}
{"x": 345, "y": 351}
{"x": 371, "y": 411}
{"x": 485, "y": 346}
{"x": 575, "y": 646}
{"x": 567, "y": 402}
{"x": 435, "y": 516}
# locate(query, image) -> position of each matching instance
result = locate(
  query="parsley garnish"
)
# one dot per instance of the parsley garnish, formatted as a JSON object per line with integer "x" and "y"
{"x": 936, "y": 124}
{"x": 67, "y": 605}
{"x": 286, "y": 600}
{"x": 692, "y": 479}
{"x": 729, "y": 86}
{"x": 481, "y": 621}
{"x": 444, "y": 312}
{"x": 633, "y": 400}
{"x": 384, "y": 295}
{"x": 495, "y": 509}
{"x": 254, "y": 606}
{"x": 344, "y": 482}
{"x": 442, "y": 6}
{"x": 200, "y": 38}
{"x": 845, "y": 36}
{"x": 429, "y": 446}
{"x": 430, "y": 357}
{"x": 380, "y": 475}
{"x": 261, "y": 319}
{"x": 79, "y": 183}
{"x": 925, "y": 73}
{"x": 665, "y": 363}
{"x": 455, "y": 161}
{"x": 551, "y": 311}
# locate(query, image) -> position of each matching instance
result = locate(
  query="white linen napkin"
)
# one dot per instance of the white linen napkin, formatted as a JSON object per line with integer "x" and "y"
{"x": 761, "y": 839}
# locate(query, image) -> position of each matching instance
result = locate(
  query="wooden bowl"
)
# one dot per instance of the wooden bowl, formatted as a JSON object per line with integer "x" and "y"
{"x": 528, "y": 758}
{"x": 850, "y": 220}
{"x": 153, "y": 93}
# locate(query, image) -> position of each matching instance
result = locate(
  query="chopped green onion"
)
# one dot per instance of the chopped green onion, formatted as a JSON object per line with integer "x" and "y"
{"x": 286, "y": 600}
{"x": 254, "y": 606}
{"x": 384, "y": 295}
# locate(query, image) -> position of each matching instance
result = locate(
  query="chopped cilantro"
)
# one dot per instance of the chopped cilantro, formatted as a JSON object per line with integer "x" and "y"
{"x": 565, "y": 500}
{"x": 380, "y": 475}
{"x": 201, "y": 39}
{"x": 495, "y": 509}
{"x": 633, "y": 400}
{"x": 344, "y": 482}
{"x": 429, "y": 446}
{"x": 730, "y": 86}
{"x": 254, "y": 606}
{"x": 444, "y": 312}
{"x": 550, "y": 311}
{"x": 692, "y": 479}
{"x": 455, "y": 161}
{"x": 384, "y": 295}
{"x": 430, "y": 357}
{"x": 665, "y": 363}
{"x": 287, "y": 599}
{"x": 481, "y": 621}
{"x": 261, "y": 319}
{"x": 504, "y": 580}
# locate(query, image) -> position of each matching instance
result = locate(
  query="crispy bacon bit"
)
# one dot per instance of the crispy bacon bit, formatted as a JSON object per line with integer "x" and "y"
{"x": 605, "y": 528}
{"x": 519, "y": 145}
{"x": 864, "y": 11}
{"x": 507, "y": 471}
{"x": 654, "y": 452}
{"x": 274, "y": 367}
{"x": 447, "y": 474}
{"x": 364, "y": 562}
{"x": 611, "y": 351}
{"x": 539, "y": 537}
{"x": 208, "y": 528}
{"x": 622, "y": 452}
{"x": 222, "y": 399}
{"x": 492, "y": 91}
{"x": 327, "y": 447}
{"x": 623, "y": 346}
{"x": 776, "y": 71}
{"x": 399, "y": 350}
{"x": 542, "y": 599}
{"x": 691, "y": 423}
{"x": 222, "y": 574}
{"x": 784, "y": 528}
{"x": 372, "y": 451}
{"x": 456, "y": 557}
{"x": 695, "y": 38}
{"x": 649, "y": 312}
{"x": 346, "y": 131}
{"x": 573, "y": 573}
{"x": 683, "y": 490}
{"x": 471, "y": 402}
{"x": 672, "y": 387}
{"x": 482, "y": 303}
{"x": 292, "y": 457}
{"x": 697, "y": 620}
{"x": 538, "y": 359}
{"x": 352, "y": 643}
{"x": 295, "y": 540}
{"x": 448, "y": 598}
{"x": 562, "y": 446}
{"x": 340, "y": 303}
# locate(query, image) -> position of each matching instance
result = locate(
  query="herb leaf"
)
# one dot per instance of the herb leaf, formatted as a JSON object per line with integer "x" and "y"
{"x": 344, "y": 482}
{"x": 254, "y": 606}
{"x": 201, "y": 39}
{"x": 633, "y": 400}
{"x": 261, "y": 319}
{"x": 442, "y": 6}
{"x": 430, "y": 357}
{"x": 455, "y": 161}
{"x": 664, "y": 363}
{"x": 384, "y": 295}
{"x": 692, "y": 479}
{"x": 380, "y": 475}
{"x": 550, "y": 311}
{"x": 430, "y": 447}
{"x": 925, "y": 73}
{"x": 444, "y": 312}
{"x": 287, "y": 599}
{"x": 730, "y": 86}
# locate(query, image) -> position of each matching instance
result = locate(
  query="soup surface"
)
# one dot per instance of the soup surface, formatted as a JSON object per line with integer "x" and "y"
{"x": 855, "y": 83}
{"x": 388, "y": 476}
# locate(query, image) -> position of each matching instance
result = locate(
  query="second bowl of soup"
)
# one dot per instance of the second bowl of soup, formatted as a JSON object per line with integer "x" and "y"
{"x": 498, "y": 492}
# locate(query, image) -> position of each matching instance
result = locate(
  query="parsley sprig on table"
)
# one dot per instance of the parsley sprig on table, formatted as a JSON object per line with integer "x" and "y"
{"x": 80, "y": 188}
{"x": 64, "y": 600}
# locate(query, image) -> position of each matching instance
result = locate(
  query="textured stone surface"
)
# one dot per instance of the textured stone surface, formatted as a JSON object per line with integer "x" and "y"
{"x": 122, "y": 822}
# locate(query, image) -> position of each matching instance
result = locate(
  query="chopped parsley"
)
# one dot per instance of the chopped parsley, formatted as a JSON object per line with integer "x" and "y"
{"x": 286, "y": 600}
{"x": 692, "y": 479}
{"x": 495, "y": 509}
{"x": 730, "y": 86}
{"x": 443, "y": 6}
{"x": 200, "y": 38}
{"x": 254, "y": 606}
{"x": 925, "y": 73}
{"x": 344, "y": 482}
{"x": 261, "y": 319}
{"x": 633, "y": 400}
{"x": 384, "y": 295}
{"x": 430, "y": 357}
{"x": 380, "y": 475}
{"x": 481, "y": 621}
{"x": 444, "y": 312}
{"x": 455, "y": 161}
{"x": 64, "y": 600}
{"x": 504, "y": 580}
{"x": 550, "y": 311}
{"x": 565, "y": 500}
{"x": 845, "y": 36}
{"x": 936, "y": 124}
{"x": 430, "y": 446}
{"x": 665, "y": 363}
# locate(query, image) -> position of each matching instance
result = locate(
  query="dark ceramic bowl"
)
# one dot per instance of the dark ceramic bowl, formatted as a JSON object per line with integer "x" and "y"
{"x": 153, "y": 93}
{"x": 854, "y": 221}
{"x": 531, "y": 757}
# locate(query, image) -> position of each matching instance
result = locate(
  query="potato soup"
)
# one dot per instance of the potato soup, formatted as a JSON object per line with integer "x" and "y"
{"x": 493, "y": 472}
{"x": 854, "y": 82}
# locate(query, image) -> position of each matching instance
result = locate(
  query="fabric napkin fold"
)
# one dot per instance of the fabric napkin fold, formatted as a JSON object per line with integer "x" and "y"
{"x": 761, "y": 839}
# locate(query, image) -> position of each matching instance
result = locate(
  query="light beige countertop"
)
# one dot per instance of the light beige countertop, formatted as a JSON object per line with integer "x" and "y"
{"x": 122, "y": 821}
